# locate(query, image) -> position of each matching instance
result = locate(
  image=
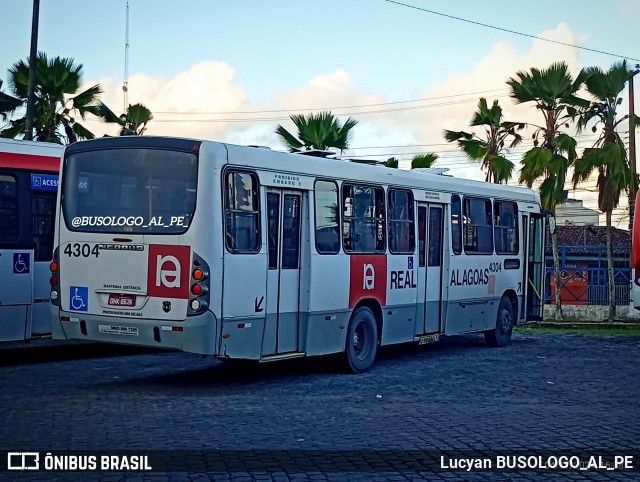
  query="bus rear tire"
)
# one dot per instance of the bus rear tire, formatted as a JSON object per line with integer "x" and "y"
{"x": 362, "y": 341}
{"x": 501, "y": 335}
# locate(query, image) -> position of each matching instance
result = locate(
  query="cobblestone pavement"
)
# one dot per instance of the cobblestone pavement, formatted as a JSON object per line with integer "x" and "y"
{"x": 457, "y": 398}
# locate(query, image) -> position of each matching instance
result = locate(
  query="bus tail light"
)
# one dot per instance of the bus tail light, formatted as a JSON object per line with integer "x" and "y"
{"x": 199, "y": 298}
{"x": 54, "y": 281}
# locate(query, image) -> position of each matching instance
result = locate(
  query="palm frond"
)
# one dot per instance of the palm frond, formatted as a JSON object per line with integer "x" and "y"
{"x": 290, "y": 141}
{"x": 453, "y": 136}
{"x": 422, "y": 161}
{"x": 82, "y": 132}
{"x": 14, "y": 129}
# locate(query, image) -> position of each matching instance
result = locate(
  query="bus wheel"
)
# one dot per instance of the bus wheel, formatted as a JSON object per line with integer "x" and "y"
{"x": 501, "y": 335}
{"x": 362, "y": 341}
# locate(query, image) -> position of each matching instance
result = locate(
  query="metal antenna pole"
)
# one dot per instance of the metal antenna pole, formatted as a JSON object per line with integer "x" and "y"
{"x": 125, "y": 85}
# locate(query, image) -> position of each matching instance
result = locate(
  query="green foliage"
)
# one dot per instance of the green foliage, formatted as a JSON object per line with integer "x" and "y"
{"x": 7, "y": 104}
{"x": 57, "y": 80}
{"x": 552, "y": 88}
{"x": 489, "y": 150}
{"x": 133, "y": 122}
{"x": 317, "y": 131}
{"x": 392, "y": 162}
{"x": 553, "y": 91}
{"x": 422, "y": 161}
{"x": 608, "y": 156}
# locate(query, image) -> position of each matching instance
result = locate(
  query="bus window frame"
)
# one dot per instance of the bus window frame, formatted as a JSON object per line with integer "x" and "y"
{"x": 63, "y": 180}
{"x": 410, "y": 221}
{"x": 485, "y": 200}
{"x": 500, "y": 228}
{"x": 343, "y": 218}
{"x": 17, "y": 197}
{"x": 457, "y": 233}
{"x": 315, "y": 219}
{"x": 258, "y": 212}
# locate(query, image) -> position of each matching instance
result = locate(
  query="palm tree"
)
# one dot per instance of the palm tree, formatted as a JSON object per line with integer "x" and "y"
{"x": 317, "y": 131}
{"x": 7, "y": 104}
{"x": 422, "y": 161}
{"x": 392, "y": 162}
{"x": 132, "y": 123}
{"x": 489, "y": 150}
{"x": 553, "y": 91}
{"x": 608, "y": 156}
{"x": 57, "y": 83}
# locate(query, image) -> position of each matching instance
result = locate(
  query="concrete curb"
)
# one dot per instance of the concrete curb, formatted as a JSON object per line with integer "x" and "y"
{"x": 597, "y": 325}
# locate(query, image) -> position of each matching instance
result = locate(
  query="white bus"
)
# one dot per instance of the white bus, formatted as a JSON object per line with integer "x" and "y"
{"x": 28, "y": 185}
{"x": 247, "y": 253}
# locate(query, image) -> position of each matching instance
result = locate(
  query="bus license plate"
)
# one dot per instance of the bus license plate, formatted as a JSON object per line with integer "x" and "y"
{"x": 118, "y": 330}
{"x": 128, "y": 301}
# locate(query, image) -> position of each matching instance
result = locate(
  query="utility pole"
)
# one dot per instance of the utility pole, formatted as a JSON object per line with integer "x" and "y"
{"x": 31, "y": 90}
{"x": 632, "y": 149}
{"x": 125, "y": 85}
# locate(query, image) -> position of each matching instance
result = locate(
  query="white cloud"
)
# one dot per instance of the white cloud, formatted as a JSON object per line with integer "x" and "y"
{"x": 208, "y": 87}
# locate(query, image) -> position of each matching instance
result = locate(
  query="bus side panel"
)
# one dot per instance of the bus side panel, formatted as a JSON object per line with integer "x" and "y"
{"x": 16, "y": 295}
{"x": 467, "y": 293}
{"x": 329, "y": 311}
{"x": 206, "y": 234}
{"x": 402, "y": 291}
{"x": 41, "y": 322}
{"x": 244, "y": 301}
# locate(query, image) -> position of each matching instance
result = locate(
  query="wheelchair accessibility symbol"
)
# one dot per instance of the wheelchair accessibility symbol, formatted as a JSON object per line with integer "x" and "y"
{"x": 79, "y": 298}
{"x": 21, "y": 263}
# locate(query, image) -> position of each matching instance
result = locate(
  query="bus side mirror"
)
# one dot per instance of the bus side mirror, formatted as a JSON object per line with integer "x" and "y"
{"x": 552, "y": 224}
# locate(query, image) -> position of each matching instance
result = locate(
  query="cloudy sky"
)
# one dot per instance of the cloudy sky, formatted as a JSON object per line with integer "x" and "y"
{"x": 233, "y": 70}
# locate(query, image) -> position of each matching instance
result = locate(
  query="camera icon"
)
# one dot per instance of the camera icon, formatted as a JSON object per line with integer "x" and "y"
{"x": 23, "y": 461}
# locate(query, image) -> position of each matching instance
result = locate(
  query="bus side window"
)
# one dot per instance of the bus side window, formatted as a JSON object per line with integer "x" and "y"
{"x": 401, "y": 222}
{"x": 43, "y": 226}
{"x": 478, "y": 226}
{"x": 327, "y": 217}
{"x": 8, "y": 209}
{"x": 363, "y": 219}
{"x": 506, "y": 227}
{"x": 242, "y": 220}
{"x": 456, "y": 225}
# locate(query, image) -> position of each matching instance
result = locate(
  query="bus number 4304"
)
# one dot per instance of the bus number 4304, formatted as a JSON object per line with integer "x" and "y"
{"x": 77, "y": 250}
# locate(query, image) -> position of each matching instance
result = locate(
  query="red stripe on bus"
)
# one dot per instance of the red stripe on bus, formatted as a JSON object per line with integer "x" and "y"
{"x": 29, "y": 161}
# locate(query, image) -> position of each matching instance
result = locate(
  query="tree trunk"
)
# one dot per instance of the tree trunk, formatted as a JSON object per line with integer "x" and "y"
{"x": 556, "y": 275}
{"x": 612, "y": 281}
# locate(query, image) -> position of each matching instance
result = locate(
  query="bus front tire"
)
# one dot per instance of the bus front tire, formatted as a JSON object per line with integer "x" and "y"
{"x": 501, "y": 335}
{"x": 362, "y": 341}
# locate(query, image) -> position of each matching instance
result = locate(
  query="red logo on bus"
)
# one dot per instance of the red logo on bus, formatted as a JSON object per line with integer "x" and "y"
{"x": 168, "y": 272}
{"x": 368, "y": 279}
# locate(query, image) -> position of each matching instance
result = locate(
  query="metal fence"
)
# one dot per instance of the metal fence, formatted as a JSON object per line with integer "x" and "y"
{"x": 584, "y": 277}
{"x": 588, "y": 286}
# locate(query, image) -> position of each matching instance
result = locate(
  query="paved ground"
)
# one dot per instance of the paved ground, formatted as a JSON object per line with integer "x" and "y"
{"x": 306, "y": 421}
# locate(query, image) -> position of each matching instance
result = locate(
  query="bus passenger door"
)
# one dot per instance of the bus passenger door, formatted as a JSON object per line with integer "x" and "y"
{"x": 535, "y": 268}
{"x": 430, "y": 224}
{"x": 283, "y": 277}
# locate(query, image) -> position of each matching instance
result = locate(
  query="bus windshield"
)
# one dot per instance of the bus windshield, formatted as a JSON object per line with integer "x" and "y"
{"x": 129, "y": 191}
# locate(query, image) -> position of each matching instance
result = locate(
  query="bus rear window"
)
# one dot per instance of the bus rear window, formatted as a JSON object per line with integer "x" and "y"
{"x": 8, "y": 209}
{"x": 129, "y": 191}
